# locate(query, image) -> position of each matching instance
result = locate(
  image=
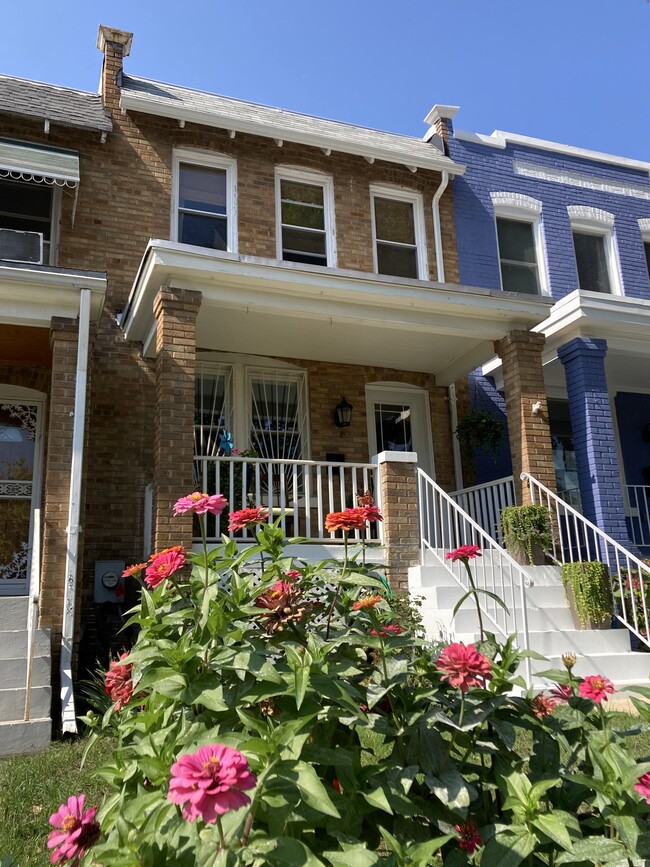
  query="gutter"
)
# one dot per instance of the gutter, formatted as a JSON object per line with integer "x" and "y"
{"x": 437, "y": 231}
{"x": 68, "y": 715}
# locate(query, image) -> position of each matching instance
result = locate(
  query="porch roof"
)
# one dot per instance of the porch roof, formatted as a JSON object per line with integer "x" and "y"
{"x": 286, "y": 309}
{"x": 32, "y": 294}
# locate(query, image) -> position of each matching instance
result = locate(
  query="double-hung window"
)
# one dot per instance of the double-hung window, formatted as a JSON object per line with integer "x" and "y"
{"x": 520, "y": 245}
{"x": 204, "y": 203}
{"x": 595, "y": 250}
{"x": 31, "y": 207}
{"x": 305, "y": 217}
{"x": 398, "y": 232}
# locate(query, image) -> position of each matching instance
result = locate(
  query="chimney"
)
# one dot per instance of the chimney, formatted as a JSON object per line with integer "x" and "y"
{"x": 116, "y": 45}
{"x": 440, "y": 120}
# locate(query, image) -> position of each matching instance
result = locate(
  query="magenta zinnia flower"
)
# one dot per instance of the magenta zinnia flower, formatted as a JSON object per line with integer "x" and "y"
{"x": 643, "y": 787}
{"x": 464, "y": 666}
{"x": 76, "y": 831}
{"x": 562, "y": 692}
{"x": 464, "y": 553}
{"x": 387, "y": 630}
{"x": 163, "y": 565}
{"x": 469, "y": 837}
{"x": 542, "y": 706}
{"x": 247, "y": 517}
{"x": 209, "y": 782}
{"x": 119, "y": 685}
{"x": 200, "y": 504}
{"x": 596, "y": 687}
{"x": 293, "y": 574}
{"x": 371, "y": 513}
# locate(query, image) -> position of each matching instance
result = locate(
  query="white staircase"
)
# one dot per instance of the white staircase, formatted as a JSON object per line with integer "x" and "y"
{"x": 23, "y": 730}
{"x": 550, "y": 626}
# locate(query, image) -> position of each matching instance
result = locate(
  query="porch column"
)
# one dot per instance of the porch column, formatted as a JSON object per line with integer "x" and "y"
{"x": 56, "y": 495}
{"x": 399, "y": 506}
{"x": 529, "y": 433}
{"x": 593, "y": 435}
{"x": 175, "y": 311}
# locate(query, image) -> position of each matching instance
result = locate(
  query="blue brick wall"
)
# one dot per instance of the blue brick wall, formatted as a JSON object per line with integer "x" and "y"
{"x": 484, "y": 397}
{"x": 491, "y": 169}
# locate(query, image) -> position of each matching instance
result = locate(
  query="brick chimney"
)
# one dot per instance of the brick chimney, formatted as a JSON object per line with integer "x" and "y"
{"x": 116, "y": 45}
{"x": 440, "y": 120}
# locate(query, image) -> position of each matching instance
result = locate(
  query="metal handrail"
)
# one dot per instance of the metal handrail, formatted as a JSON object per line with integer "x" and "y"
{"x": 444, "y": 526}
{"x": 485, "y": 502}
{"x": 577, "y": 539}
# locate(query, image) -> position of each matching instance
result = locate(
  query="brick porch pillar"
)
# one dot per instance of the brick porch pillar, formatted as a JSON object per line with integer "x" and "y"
{"x": 530, "y": 437}
{"x": 399, "y": 505}
{"x": 175, "y": 311}
{"x": 593, "y": 435}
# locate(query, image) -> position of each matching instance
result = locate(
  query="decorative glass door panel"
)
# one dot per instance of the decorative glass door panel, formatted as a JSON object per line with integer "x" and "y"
{"x": 19, "y": 435}
{"x": 399, "y": 421}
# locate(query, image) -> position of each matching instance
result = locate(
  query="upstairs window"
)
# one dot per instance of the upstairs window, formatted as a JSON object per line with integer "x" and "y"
{"x": 646, "y": 247}
{"x": 204, "y": 207}
{"x": 595, "y": 249}
{"x": 29, "y": 207}
{"x": 518, "y": 256}
{"x": 591, "y": 262}
{"x": 305, "y": 217}
{"x": 398, "y": 230}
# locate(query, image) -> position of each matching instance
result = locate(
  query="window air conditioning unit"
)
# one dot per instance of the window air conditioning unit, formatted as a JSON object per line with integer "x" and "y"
{"x": 16, "y": 246}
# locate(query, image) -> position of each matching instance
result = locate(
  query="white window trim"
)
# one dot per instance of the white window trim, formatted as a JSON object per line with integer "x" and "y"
{"x": 316, "y": 178}
{"x": 212, "y": 160}
{"x": 526, "y": 209}
{"x": 644, "y": 228}
{"x": 401, "y": 194}
{"x": 594, "y": 221}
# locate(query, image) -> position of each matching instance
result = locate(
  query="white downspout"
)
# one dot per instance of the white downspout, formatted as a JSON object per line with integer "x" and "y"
{"x": 455, "y": 445}
{"x": 437, "y": 231}
{"x": 68, "y": 717}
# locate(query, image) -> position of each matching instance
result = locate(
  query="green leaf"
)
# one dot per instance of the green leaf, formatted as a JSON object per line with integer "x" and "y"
{"x": 285, "y": 852}
{"x": 509, "y": 848}
{"x": 377, "y": 798}
{"x": 450, "y": 788}
{"x": 422, "y": 852}
{"x": 553, "y": 827}
{"x": 594, "y": 850}
{"x": 311, "y": 789}
{"x": 353, "y": 856}
{"x": 392, "y": 843}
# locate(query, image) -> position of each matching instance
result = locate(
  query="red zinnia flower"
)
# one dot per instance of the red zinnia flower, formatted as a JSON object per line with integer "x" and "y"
{"x": 643, "y": 787}
{"x": 371, "y": 513}
{"x": 200, "y": 504}
{"x": 596, "y": 687}
{"x": 562, "y": 692}
{"x": 209, "y": 782}
{"x": 163, "y": 565}
{"x": 469, "y": 837}
{"x": 464, "y": 666}
{"x": 349, "y": 519}
{"x": 366, "y": 602}
{"x": 119, "y": 684}
{"x": 77, "y": 832}
{"x": 542, "y": 706}
{"x": 387, "y": 630}
{"x": 134, "y": 571}
{"x": 247, "y": 517}
{"x": 336, "y": 785}
{"x": 464, "y": 553}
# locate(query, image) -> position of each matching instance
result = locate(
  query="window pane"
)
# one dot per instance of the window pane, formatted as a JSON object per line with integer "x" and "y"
{"x": 647, "y": 255}
{"x": 277, "y": 418}
{"x": 203, "y": 231}
{"x": 295, "y": 240}
{"x": 398, "y": 261}
{"x": 394, "y": 221}
{"x": 516, "y": 241}
{"x": 591, "y": 260}
{"x": 33, "y": 200}
{"x": 303, "y": 215}
{"x": 393, "y": 427}
{"x": 296, "y": 191}
{"x": 519, "y": 278}
{"x": 202, "y": 189}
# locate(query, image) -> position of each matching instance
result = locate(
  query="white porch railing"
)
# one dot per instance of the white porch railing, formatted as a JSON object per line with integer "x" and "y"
{"x": 577, "y": 539}
{"x": 444, "y": 526}
{"x": 639, "y": 514}
{"x": 484, "y": 503}
{"x": 299, "y": 493}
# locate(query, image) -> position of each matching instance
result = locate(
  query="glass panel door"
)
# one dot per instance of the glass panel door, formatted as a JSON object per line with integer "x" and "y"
{"x": 398, "y": 421}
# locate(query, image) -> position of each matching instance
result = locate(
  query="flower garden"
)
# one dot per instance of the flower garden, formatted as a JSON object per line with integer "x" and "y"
{"x": 274, "y": 712}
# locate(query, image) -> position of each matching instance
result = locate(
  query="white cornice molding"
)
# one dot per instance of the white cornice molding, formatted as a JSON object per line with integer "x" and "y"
{"x": 516, "y": 201}
{"x": 587, "y": 214}
{"x": 577, "y": 179}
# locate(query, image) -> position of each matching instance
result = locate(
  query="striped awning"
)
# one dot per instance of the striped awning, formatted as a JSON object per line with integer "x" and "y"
{"x": 32, "y": 162}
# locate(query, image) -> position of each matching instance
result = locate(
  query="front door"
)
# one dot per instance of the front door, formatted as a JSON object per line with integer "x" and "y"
{"x": 20, "y": 459}
{"x": 399, "y": 421}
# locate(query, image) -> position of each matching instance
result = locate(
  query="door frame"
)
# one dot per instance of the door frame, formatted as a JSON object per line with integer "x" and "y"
{"x": 400, "y": 392}
{"x": 19, "y": 395}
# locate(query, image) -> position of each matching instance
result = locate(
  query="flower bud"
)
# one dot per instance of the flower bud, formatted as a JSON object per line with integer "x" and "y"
{"x": 569, "y": 660}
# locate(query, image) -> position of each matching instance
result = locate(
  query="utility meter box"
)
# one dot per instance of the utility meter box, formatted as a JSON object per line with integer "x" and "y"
{"x": 109, "y": 584}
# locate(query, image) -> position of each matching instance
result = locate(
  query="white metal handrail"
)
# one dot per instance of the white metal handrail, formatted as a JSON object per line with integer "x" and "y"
{"x": 484, "y": 503}
{"x": 638, "y": 498}
{"x": 444, "y": 526}
{"x": 299, "y": 493}
{"x": 577, "y": 539}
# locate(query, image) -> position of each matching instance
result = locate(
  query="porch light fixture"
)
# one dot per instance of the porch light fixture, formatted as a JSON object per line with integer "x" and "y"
{"x": 343, "y": 414}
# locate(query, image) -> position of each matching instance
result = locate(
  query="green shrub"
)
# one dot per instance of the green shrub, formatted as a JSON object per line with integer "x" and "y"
{"x": 527, "y": 527}
{"x": 591, "y": 589}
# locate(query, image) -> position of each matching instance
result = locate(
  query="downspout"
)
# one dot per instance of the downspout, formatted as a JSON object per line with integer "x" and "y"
{"x": 437, "y": 231}
{"x": 455, "y": 445}
{"x": 68, "y": 717}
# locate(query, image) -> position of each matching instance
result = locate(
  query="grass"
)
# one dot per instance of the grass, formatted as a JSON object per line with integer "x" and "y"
{"x": 33, "y": 787}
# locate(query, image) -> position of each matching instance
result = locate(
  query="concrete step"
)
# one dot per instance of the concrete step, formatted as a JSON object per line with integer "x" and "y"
{"x": 12, "y": 703}
{"x": 622, "y": 669}
{"x": 13, "y": 612}
{"x": 25, "y": 737}
{"x": 13, "y": 672}
{"x": 14, "y": 644}
{"x": 539, "y": 620}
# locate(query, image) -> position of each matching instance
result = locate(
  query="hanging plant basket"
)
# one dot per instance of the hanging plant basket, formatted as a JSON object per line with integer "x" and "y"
{"x": 589, "y": 594}
{"x": 479, "y": 430}
{"x": 527, "y": 533}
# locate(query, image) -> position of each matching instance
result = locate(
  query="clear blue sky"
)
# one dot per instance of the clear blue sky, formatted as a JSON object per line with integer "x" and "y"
{"x": 574, "y": 71}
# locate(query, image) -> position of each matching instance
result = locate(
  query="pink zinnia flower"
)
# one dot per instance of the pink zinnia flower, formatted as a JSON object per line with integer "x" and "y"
{"x": 388, "y": 630}
{"x": 119, "y": 684}
{"x": 163, "y": 565}
{"x": 542, "y": 706}
{"x": 247, "y": 517}
{"x": 596, "y": 687}
{"x": 134, "y": 570}
{"x": 464, "y": 553}
{"x": 469, "y": 837}
{"x": 562, "y": 692}
{"x": 464, "y": 666}
{"x": 209, "y": 782}
{"x": 371, "y": 513}
{"x": 294, "y": 574}
{"x": 643, "y": 787}
{"x": 77, "y": 831}
{"x": 200, "y": 504}
{"x": 367, "y": 602}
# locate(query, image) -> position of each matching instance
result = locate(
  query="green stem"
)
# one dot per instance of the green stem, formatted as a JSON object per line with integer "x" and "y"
{"x": 462, "y": 710}
{"x": 204, "y": 540}
{"x": 222, "y": 840}
{"x": 476, "y": 600}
